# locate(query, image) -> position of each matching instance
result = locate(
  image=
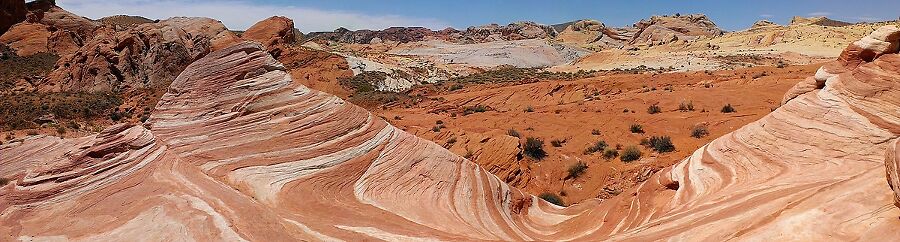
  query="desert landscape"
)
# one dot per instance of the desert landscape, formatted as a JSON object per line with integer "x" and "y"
{"x": 126, "y": 127}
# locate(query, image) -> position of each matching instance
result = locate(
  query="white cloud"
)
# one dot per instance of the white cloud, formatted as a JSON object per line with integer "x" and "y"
{"x": 819, "y": 14}
{"x": 240, "y": 15}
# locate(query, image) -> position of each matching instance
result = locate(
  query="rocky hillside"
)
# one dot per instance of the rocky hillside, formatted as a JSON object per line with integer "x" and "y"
{"x": 236, "y": 150}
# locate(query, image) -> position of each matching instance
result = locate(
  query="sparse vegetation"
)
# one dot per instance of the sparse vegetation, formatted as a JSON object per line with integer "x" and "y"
{"x": 475, "y": 109}
{"x": 513, "y": 74}
{"x": 610, "y": 154}
{"x": 637, "y": 129}
{"x": 661, "y": 144}
{"x": 728, "y": 109}
{"x": 534, "y": 148}
{"x": 437, "y": 128}
{"x": 552, "y": 198}
{"x": 654, "y": 109}
{"x": 686, "y": 106}
{"x": 557, "y": 142}
{"x": 631, "y": 153}
{"x": 4, "y": 181}
{"x": 576, "y": 170}
{"x": 529, "y": 109}
{"x": 699, "y": 131}
{"x": 455, "y": 87}
{"x": 28, "y": 109}
{"x": 14, "y": 67}
{"x": 513, "y": 133}
{"x": 595, "y": 132}
{"x": 596, "y": 147}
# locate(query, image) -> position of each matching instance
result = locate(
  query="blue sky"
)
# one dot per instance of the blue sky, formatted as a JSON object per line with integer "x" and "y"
{"x": 359, "y": 14}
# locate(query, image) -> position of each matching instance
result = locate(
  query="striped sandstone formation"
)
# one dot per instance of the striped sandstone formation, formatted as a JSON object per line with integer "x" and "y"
{"x": 237, "y": 151}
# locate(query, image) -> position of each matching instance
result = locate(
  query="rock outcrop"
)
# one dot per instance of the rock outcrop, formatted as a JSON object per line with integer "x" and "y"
{"x": 513, "y": 31}
{"x": 595, "y": 34}
{"x": 48, "y": 28}
{"x": 274, "y": 33}
{"x": 12, "y": 12}
{"x": 393, "y": 34}
{"x": 823, "y": 21}
{"x": 147, "y": 56}
{"x": 666, "y": 29}
{"x": 763, "y": 24}
{"x": 27, "y": 38}
{"x": 238, "y": 151}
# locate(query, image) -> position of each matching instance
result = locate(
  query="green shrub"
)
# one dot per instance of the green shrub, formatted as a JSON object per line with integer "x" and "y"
{"x": 686, "y": 106}
{"x": 437, "y": 128}
{"x": 699, "y": 131}
{"x": 610, "y": 154}
{"x": 653, "y": 109}
{"x": 576, "y": 170}
{"x": 637, "y": 129}
{"x": 552, "y": 198}
{"x": 661, "y": 144}
{"x": 534, "y": 148}
{"x": 475, "y": 109}
{"x": 596, "y": 147}
{"x": 557, "y": 142}
{"x": 455, "y": 87}
{"x": 631, "y": 153}
{"x": 728, "y": 109}
{"x": 513, "y": 133}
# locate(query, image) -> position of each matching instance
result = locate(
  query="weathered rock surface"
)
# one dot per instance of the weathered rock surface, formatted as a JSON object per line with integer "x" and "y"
{"x": 238, "y": 151}
{"x": 12, "y": 12}
{"x": 27, "y": 38}
{"x": 592, "y": 33}
{"x": 823, "y": 21}
{"x": 763, "y": 24}
{"x": 147, "y": 56}
{"x": 274, "y": 33}
{"x": 666, "y": 29}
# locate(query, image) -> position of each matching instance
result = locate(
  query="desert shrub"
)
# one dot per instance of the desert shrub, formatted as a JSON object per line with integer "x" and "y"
{"x": 728, "y": 109}
{"x": 631, "y": 153}
{"x": 595, "y": 132}
{"x": 552, "y": 198}
{"x": 596, "y": 147}
{"x": 661, "y": 144}
{"x": 398, "y": 118}
{"x": 364, "y": 82}
{"x": 469, "y": 154}
{"x": 513, "y": 74}
{"x": 610, "y": 153}
{"x": 576, "y": 170}
{"x": 686, "y": 106}
{"x": 60, "y": 130}
{"x": 439, "y": 122}
{"x": 654, "y": 109}
{"x": 452, "y": 140}
{"x": 4, "y": 181}
{"x": 437, "y": 128}
{"x": 475, "y": 109}
{"x": 699, "y": 131}
{"x": 557, "y": 142}
{"x": 637, "y": 129}
{"x": 529, "y": 109}
{"x": 534, "y": 148}
{"x": 513, "y": 133}
{"x": 455, "y": 87}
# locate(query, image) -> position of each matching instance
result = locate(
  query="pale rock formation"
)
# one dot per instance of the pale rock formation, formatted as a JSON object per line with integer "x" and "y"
{"x": 666, "y": 29}
{"x": 821, "y": 20}
{"x": 763, "y": 24}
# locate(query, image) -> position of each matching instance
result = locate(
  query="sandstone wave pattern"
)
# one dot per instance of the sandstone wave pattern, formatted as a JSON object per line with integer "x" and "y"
{"x": 237, "y": 151}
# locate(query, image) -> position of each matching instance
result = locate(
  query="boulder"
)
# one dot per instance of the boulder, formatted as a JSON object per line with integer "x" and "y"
{"x": 27, "y": 38}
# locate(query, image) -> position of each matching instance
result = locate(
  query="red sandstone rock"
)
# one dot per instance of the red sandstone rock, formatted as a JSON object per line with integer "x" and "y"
{"x": 12, "y": 12}
{"x": 272, "y": 32}
{"x": 27, "y": 38}
{"x": 238, "y": 151}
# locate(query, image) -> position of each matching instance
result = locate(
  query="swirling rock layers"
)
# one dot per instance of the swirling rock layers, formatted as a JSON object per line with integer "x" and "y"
{"x": 237, "y": 151}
